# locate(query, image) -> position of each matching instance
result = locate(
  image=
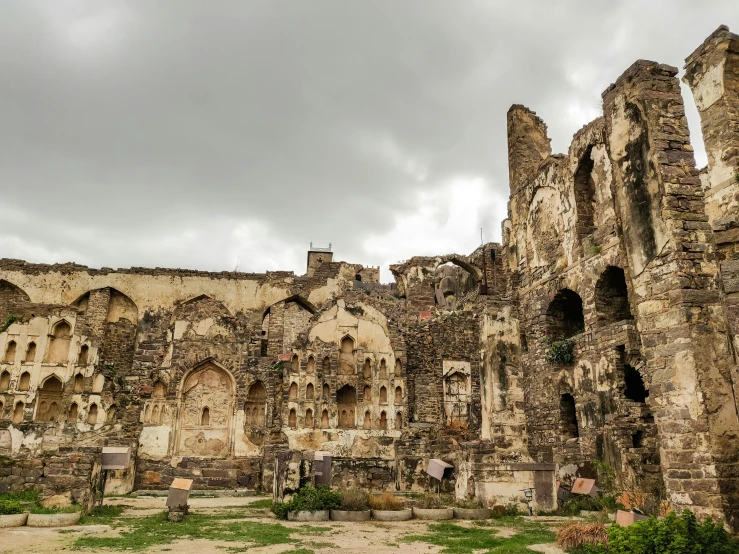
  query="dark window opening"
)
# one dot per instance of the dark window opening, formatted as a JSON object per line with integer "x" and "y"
{"x": 568, "y": 417}
{"x": 585, "y": 195}
{"x": 637, "y": 439}
{"x": 635, "y": 389}
{"x": 565, "y": 316}
{"x": 611, "y": 296}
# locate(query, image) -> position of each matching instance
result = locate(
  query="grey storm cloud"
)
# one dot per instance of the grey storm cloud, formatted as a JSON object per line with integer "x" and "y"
{"x": 209, "y": 134}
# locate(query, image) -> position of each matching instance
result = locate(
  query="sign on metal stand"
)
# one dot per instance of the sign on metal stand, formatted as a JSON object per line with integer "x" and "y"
{"x": 322, "y": 468}
{"x": 436, "y": 469}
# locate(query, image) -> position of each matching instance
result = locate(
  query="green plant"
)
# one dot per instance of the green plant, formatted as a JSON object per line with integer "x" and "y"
{"x": 386, "y": 501}
{"x": 354, "y": 500}
{"x": 560, "y": 351}
{"x": 309, "y": 499}
{"x": 455, "y": 539}
{"x": 429, "y": 501}
{"x": 8, "y": 322}
{"x": 8, "y": 507}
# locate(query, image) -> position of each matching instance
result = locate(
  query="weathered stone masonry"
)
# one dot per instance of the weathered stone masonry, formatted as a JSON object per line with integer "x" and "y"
{"x": 605, "y": 327}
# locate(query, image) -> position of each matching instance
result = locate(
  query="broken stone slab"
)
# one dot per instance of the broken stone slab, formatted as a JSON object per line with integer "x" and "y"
{"x": 53, "y": 520}
{"x": 347, "y": 515}
{"x": 433, "y": 514}
{"x": 13, "y": 520}
{"x": 320, "y": 515}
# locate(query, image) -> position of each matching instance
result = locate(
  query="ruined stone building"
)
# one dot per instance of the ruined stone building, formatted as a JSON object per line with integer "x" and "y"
{"x": 605, "y": 327}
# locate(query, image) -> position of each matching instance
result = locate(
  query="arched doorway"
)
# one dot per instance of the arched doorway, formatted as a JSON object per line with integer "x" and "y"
{"x": 206, "y": 412}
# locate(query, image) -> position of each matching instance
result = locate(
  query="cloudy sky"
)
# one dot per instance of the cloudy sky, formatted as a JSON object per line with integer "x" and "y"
{"x": 216, "y": 134}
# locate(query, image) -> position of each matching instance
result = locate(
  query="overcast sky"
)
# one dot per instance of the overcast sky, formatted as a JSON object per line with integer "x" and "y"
{"x": 216, "y": 134}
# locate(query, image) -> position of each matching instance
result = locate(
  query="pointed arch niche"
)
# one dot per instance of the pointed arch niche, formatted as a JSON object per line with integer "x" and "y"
{"x": 206, "y": 411}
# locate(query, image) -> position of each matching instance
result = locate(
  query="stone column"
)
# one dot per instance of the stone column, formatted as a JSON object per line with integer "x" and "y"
{"x": 680, "y": 313}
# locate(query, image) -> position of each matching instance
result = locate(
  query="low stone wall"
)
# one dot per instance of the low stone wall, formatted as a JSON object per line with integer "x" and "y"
{"x": 207, "y": 473}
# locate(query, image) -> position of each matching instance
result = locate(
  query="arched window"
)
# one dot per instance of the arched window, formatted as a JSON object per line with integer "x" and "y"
{"x": 49, "y": 399}
{"x": 346, "y": 399}
{"x": 635, "y": 389}
{"x": 295, "y": 364}
{"x": 92, "y": 414}
{"x": 612, "y": 297}
{"x": 367, "y": 369}
{"x": 79, "y": 383}
{"x": 565, "y": 316}
{"x": 324, "y": 419}
{"x": 309, "y": 418}
{"x": 383, "y": 395}
{"x": 30, "y": 353}
{"x": 326, "y": 365}
{"x": 18, "y": 412}
{"x": 4, "y": 381}
{"x": 398, "y": 420}
{"x": 367, "y": 395}
{"x": 205, "y": 417}
{"x": 10, "y": 352}
{"x": 325, "y": 394}
{"x": 568, "y": 417}
{"x": 357, "y": 277}
{"x": 383, "y": 369}
{"x": 309, "y": 391}
{"x": 398, "y": 368}
{"x": 159, "y": 390}
{"x": 292, "y": 393}
{"x": 347, "y": 357}
{"x": 585, "y": 195}
{"x": 292, "y": 420}
{"x": 367, "y": 423}
{"x": 84, "y": 351}
{"x": 61, "y": 337}
{"x": 25, "y": 381}
{"x": 383, "y": 421}
{"x": 256, "y": 404}
{"x": 398, "y": 395}
{"x": 310, "y": 367}
{"x": 73, "y": 411}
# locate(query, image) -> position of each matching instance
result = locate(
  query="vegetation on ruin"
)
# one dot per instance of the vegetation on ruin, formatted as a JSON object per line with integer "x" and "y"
{"x": 455, "y": 539}
{"x": 354, "y": 500}
{"x": 8, "y": 322}
{"x": 386, "y": 501}
{"x": 470, "y": 504}
{"x": 138, "y": 534}
{"x": 8, "y": 507}
{"x": 560, "y": 351}
{"x": 674, "y": 534}
{"x": 309, "y": 499}
{"x": 429, "y": 502}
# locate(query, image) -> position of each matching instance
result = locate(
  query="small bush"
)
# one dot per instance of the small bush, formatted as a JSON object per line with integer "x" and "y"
{"x": 429, "y": 502}
{"x": 309, "y": 499}
{"x": 8, "y": 507}
{"x": 472, "y": 504}
{"x": 582, "y": 534}
{"x": 354, "y": 500}
{"x": 386, "y": 501}
{"x": 560, "y": 351}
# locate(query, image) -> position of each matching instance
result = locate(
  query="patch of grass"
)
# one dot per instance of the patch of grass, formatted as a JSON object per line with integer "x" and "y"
{"x": 102, "y": 515}
{"x": 312, "y": 530}
{"x": 63, "y": 510}
{"x": 455, "y": 539}
{"x": 261, "y": 503}
{"x": 21, "y": 496}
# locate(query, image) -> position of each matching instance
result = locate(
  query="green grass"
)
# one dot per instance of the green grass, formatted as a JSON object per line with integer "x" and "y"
{"x": 64, "y": 510}
{"x": 102, "y": 515}
{"x": 142, "y": 533}
{"x": 455, "y": 539}
{"x": 261, "y": 503}
{"x": 22, "y": 496}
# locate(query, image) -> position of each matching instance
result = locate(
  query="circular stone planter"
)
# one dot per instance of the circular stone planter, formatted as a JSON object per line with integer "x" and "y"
{"x": 53, "y": 520}
{"x": 320, "y": 515}
{"x": 433, "y": 514}
{"x": 472, "y": 513}
{"x": 392, "y": 515}
{"x": 346, "y": 515}
{"x": 13, "y": 520}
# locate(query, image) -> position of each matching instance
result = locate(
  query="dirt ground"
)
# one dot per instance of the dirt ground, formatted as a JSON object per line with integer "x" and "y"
{"x": 344, "y": 538}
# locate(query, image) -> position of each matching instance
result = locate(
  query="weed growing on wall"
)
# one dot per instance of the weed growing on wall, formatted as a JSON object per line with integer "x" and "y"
{"x": 560, "y": 351}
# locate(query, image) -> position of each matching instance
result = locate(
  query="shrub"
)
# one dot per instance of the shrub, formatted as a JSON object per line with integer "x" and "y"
{"x": 386, "y": 501}
{"x": 354, "y": 500}
{"x": 582, "y": 534}
{"x": 429, "y": 501}
{"x": 8, "y": 507}
{"x": 309, "y": 499}
{"x": 472, "y": 504}
{"x": 560, "y": 351}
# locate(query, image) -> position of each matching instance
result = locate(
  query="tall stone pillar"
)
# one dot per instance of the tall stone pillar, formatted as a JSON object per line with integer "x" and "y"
{"x": 680, "y": 313}
{"x": 528, "y": 145}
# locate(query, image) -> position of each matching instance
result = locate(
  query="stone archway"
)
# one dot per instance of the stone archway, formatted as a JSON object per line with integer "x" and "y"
{"x": 206, "y": 412}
